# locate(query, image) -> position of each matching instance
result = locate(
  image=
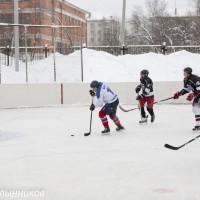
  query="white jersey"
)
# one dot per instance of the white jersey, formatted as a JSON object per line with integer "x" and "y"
{"x": 104, "y": 95}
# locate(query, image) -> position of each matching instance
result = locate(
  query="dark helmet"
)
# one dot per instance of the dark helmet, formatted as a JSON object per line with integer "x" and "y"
{"x": 94, "y": 84}
{"x": 188, "y": 70}
{"x": 144, "y": 72}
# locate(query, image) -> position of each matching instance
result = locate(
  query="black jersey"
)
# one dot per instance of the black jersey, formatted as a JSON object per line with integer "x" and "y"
{"x": 191, "y": 83}
{"x": 146, "y": 85}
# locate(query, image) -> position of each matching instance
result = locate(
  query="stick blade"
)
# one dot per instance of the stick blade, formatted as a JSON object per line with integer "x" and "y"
{"x": 171, "y": 147}
{"x": 86, "y": 134}
{"x": 122, "y": 109}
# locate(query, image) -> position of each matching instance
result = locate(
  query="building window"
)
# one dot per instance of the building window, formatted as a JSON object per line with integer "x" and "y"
{"x": 23, "y": 0}
{"x": 24, "y": 18}
{"x": 6, "y": 18}
{"x": 99, "y": 39}
{"x": 92, "y": 39}
{"x": 5, "y": 1}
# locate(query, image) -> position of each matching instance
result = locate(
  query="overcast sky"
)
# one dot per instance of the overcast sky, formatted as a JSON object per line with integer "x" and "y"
{"x": 114, "y": 7}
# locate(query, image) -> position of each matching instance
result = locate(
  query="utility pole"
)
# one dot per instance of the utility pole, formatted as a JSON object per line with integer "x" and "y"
{"x": 53, "y": 19}
{"x": 123, "y": 26}
{"x": 16, "y": 30}
{"x": 175, "y": 13}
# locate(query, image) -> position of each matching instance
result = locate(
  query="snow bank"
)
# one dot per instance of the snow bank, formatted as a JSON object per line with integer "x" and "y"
{"x": 105, "y": 67}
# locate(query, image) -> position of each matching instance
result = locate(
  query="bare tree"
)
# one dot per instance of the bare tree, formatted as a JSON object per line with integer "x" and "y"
{"x": 111, "y": 31}
{"x": 196, "y": 5}
{"x": 150, "y": 27}
{"x": 157, "y": 26}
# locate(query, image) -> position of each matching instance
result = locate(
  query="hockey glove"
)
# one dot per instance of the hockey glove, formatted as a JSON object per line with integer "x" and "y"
{"x": 137, "y": 89}
{"x": 139, "y": 97}
{"x": 191, "y": 96}
{"x": 92, "y": 107}
{"x": 92, "y": 93}
{"x": 177, "y": 95}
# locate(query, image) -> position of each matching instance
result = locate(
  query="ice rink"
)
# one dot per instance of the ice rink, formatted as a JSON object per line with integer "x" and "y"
{"x": 37, "y": 151}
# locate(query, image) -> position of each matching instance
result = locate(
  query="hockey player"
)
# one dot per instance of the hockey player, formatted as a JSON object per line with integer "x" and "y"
{"x": 108, "y": 100}
{"x": 147, "y": 96}
{"x": 191, "y": 84}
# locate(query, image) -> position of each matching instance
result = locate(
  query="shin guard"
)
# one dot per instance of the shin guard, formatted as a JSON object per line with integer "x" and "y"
{"x": 104, "y": 119}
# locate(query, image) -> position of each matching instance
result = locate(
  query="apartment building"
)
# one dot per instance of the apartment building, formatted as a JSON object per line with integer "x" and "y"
{"x": 44, "y": 12}
{"x": 102, "y": 32}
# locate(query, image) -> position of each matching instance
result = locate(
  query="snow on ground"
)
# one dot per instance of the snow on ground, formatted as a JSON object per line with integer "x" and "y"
{"x": 105, "y": 67}
{"x": 38, "y": 151}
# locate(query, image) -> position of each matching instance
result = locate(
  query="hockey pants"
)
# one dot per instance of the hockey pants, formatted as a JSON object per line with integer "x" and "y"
{"x": 109, "y": 109}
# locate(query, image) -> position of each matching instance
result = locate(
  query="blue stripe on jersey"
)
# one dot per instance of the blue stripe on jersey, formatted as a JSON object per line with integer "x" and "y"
{"x": 99, "y": 90}
{"x": 114, "y": 98}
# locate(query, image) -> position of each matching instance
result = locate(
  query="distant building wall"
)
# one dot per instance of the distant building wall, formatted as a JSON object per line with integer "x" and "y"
{"x": 102, "y": 32}
{"x": 43, "y": 12}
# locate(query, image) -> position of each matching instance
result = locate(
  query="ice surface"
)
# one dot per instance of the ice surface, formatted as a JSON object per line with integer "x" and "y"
{"x": 37, "y": 151}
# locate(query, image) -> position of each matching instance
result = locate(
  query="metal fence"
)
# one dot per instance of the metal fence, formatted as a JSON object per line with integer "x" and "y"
{"x": 35, "y": 54}
{"x": 141, "y": 49}
{"x": 30, "y": 54}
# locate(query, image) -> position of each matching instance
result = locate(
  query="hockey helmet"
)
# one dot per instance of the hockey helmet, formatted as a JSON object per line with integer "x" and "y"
{"x": 94, "y": 84}
{"x": 144, "y": 72}
{"x": 188, "y": 70}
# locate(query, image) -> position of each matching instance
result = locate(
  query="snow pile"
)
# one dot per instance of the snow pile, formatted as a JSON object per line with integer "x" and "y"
{"x": 105, "y": 67}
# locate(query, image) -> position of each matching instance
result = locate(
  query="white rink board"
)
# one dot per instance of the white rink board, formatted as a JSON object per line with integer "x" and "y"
{"x": 79, "y": 92}
{"x": 34, "y": 95}
{"x": 25, "y": 95}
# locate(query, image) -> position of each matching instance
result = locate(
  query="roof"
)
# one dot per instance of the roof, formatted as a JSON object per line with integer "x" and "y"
{"x": 73, "y": 6}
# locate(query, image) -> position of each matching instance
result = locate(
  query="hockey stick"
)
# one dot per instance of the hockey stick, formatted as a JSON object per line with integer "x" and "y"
{"x": 87, "y": 134}
{"x": 176, "y": 148}
{"x": 124, "y": 110}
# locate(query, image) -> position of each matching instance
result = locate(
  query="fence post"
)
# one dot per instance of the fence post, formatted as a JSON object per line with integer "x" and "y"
{"x": 164, "y": 48}
{"x": 124, "y": 48}
{"x": 81, "y": 50}
{"x": 45, "y": 50}
{"x": 7, "y": 51}
{"x": 54, "y": 53}
{"x": 26, "y": 52}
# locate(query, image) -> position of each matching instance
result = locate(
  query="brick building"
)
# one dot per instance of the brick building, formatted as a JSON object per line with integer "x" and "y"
{"x": 43, "y": 12}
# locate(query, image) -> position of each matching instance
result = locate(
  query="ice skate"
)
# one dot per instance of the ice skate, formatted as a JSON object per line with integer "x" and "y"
{"x": 119, "y": 128}
{"x": 106, "y": 130}
{"x": 143, "y": 120}
{"x": 196, "y": 128}
{"x": 152, "y": 118}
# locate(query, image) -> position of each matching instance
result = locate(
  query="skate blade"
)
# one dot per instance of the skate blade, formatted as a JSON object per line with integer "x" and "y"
{"x": 197, "y": 130}
{"x": 106, "y": 133}
{"x": 142, "y": 122}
